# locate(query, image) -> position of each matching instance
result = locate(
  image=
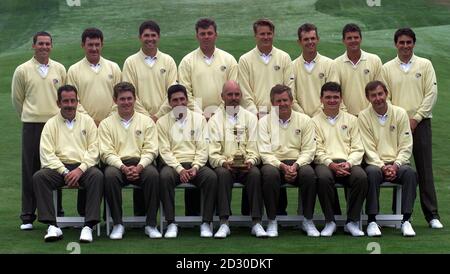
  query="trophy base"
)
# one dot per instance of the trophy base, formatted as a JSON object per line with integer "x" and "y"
{"x": 239, "y": 166}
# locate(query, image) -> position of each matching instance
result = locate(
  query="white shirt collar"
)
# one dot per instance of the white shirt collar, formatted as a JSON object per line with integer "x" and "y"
{"x": 43, "y": 69}
{"x": 126, "y": 123}
{"x": 70, "y": 124}
{"x": 95, "y": 67}
{"x": 332, "y": 120}
{"x": 150, "y": 60}
{"x": 309, "y": 66}
{"x": 284, "y": 124}
{"x": 266, "y": 57}
{"x": 382, "y": 118}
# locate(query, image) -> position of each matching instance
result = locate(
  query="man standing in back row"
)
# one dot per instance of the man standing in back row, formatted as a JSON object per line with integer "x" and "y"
{"x": 151, "y": 72}
{"x": 33, "y": 92}
{"x": 411, "y": 81}
{"x": 354, "y": 69}
{"x": 203, "y": 72}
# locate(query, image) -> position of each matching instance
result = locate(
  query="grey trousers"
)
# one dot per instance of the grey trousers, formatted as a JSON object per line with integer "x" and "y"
{"x": 423, "y": 161}
{"x": 206, "y": 180}
{"x": 31, "y": 163}
{"x": 356, "y": 183}
{"x": 273, "y": 178}
{"x": 406, "y": 176}
{"x": 47, "y": 180}
{"x": 252, "y": 182}
{"x": 148, "y": 181}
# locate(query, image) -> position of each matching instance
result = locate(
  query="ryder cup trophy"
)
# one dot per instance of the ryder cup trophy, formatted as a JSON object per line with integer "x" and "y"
{"x": 239, "y": 155}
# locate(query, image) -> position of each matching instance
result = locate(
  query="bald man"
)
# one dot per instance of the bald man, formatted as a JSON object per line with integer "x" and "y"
{"x": 233, "y": 154}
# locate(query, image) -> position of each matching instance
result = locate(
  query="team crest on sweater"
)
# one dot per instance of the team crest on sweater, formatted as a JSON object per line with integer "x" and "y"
{"x": 366, "y": 71}
{"x": 392, "y": 128}
{"x": 162, "y": 71}
{"x": 55, "y": 81}
{"x": 321, "y": 75}
{"x": 344, "y": 127}
{"x": 418, "y": 75}
{"x": 276, "y": 67}
{"x": 83, "y": 132}
{"x": 297, "y": 131}
{"x": 223, "y": 68}
{"x": 110, "y": 76}
{"x": 138, "y": 132}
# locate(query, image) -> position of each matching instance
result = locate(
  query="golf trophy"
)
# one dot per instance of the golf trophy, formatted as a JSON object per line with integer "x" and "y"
{"x": 239, "y": 154}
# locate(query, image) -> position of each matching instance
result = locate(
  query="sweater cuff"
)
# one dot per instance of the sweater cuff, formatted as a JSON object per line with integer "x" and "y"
{"x": 83, "y": 167}
{"x": 327, "y": 162}
{"x": 417, "y": 117}
{"x": 179, "y": 168}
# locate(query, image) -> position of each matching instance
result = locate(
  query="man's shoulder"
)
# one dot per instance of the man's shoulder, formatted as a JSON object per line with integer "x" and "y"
{"x": 246, "y": 56}
{"x": 56, "y": 64}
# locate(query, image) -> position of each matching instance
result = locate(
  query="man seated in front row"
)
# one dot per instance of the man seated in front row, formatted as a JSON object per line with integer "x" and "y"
{"x": 287, "y": 147}
{"x": 69, "y": 153}
{"x": 184, "y": 149}
{"x": 129, "y": 147}
{"x": 233, "y": 153}
{"x": 387, "y": 141}
{"x": 338, "y": 158}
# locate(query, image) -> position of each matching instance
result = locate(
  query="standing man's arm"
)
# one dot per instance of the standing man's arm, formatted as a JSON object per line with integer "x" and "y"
{"x": 18, "y": 91}
{"x": 185, "y": 79}
{"x": 129, "y": 74}
{"x": 73, "y": 80}
{"x": 430, "y": 94}
{"x": 170, "y": 79}
{"x": 248, "y": 96}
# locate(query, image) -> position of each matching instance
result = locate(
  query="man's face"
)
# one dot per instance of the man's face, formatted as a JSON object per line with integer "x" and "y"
{"x": 377, "y": 98}
{"x": 149, "y": 40}
{"x": 125, "y": 103}
{"x": 283, "y": 102}
{"x": 405, "y": 45}
{"x": 331, "y": 100}
{"x": 68, "y": 104}
{"x": 264, "y": 36}
{"x": 206, "y": 37}
{"x": 232, "y": 96}
{"x": 42, "y": 47}
{"x": 309, "y": 41}
{"x": 178, "y": 99}
{"x": 92, "y": 48}
{"x": 352, "y": 41}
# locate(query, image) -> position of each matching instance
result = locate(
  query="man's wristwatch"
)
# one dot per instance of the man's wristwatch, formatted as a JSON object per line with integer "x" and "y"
{"x": 66, "y": 171}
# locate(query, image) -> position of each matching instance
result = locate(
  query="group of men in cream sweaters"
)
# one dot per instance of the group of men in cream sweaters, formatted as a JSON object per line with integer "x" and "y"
{"x": 310, "y": 122}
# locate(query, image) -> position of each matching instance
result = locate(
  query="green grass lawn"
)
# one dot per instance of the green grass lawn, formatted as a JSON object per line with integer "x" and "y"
{"x": 120, "y": 20}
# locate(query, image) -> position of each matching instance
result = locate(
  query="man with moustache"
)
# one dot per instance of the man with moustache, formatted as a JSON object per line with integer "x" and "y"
{"x": 69, "y": 154}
